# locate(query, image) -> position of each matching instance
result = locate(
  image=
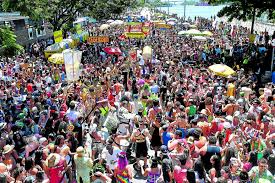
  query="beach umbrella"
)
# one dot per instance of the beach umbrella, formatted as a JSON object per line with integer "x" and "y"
{"x": 186, "y": 24}
{"x": 181, "y": 32}
{"x": 199, "y": 38}
{"x": 221, "y": 70}
{"x": 104, "y": 27}
{"x": 171, "y": 19}
{"x": 207, "y": 33}
{"x": 112, "y": 51}
{"x": 56, "y": 58}
{"x": 193, "y": 32}
{"x": 119, "y": 22}
{"x": 171, "y": 23}
{"x": 110, "y": 21}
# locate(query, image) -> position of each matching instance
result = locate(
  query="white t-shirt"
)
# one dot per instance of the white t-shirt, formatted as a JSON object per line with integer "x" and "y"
{"x": 111, "y": 159}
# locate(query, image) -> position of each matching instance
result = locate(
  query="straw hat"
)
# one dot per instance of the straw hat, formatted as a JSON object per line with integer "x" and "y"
{"x": 80, "y": 150}
{"x": 52, "y": 160}
{"x": 7, "y": 148}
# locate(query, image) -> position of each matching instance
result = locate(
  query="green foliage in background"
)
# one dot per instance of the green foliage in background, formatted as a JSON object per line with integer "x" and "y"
{"x": 8, "y": 45}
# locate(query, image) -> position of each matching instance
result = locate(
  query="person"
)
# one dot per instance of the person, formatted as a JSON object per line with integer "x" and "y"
{"x": 83, "y": 165}
{"x": 139, "y": 136}
{"x": 180, "y": 172}
{"x": 110, "y": 154}
{"x": 55, "y": 166}
{"x": 260, "y": 172}
{"x": 208, "y": 151}
{"x": 166, "y": 164}
{"x": 123, "y": 172}
{"x": 153, "y": 173}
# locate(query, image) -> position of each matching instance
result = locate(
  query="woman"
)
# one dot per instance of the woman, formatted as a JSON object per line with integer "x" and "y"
{"x": 122, "y": 172}
{"x": 29, "y": 167}
{"x": 153, "y": 174}
{"x": 199, "y": 171}
{"x": 229, "y": 153}
{"x": 216, "y": 165}
{"x": 55, "y": 166}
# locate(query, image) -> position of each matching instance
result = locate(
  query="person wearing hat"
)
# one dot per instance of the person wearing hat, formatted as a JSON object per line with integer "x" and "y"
{"x": 83, "y": 164}
{"x": 55, "y": 167}
{"x": 10, "y": 156}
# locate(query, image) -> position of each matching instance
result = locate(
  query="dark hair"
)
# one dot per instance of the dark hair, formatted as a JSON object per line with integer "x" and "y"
{"x": 28, "y": 163}
{"x": 217, "y": 164}
{"x": 243, "y": 176}
{"x": 17, "y": 171}
{"x": 198, "y": 167}
{"x": 154, "y": 163}
{"x": 38, "y": 157}
{"x": 229, "y": 153}
{"x": 191, "y": 177}
{"x": 40, "y": 176}
{"x": 271, "y": 163}
{"x": 267, "y": 153}
{"x": 212, "y": 140}
{"x": 58, "y": 139}
{"x": 3, "y": 178}
{"x": 253, "y": 158}
{"x": 183, "y": 158}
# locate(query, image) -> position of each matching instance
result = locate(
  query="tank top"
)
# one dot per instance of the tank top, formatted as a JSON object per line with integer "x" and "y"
{"x": 152, "y": 177}
{"x": 192, "y": 110}
{"x": 122, "y": 176}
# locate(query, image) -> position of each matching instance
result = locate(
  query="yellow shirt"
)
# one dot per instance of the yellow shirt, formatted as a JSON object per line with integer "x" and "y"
{"x": 231, "y": 90}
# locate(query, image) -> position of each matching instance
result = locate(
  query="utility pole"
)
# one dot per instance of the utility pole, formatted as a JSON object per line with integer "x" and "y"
{"x": 184, "y": 15}
{"x": 168, "y": 4}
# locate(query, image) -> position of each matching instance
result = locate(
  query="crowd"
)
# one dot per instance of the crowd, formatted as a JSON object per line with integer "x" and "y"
{"x": 166, "y": 119}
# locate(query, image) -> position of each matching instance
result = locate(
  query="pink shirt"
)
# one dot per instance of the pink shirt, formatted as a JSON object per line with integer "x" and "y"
{"x": 180, "y": 174}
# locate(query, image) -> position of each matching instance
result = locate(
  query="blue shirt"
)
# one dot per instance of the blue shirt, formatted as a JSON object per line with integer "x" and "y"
{"x": 166, "y": 136}
{"x": 273, "y": 77}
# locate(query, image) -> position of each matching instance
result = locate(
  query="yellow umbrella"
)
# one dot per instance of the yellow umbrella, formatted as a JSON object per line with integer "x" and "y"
{"x": 207, "y": 33}
{"x": 104, "y": 26}
{"x": 56, "y": 58}
{"x": 221, "y": 70}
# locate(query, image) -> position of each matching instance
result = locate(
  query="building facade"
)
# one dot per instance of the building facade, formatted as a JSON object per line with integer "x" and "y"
{"x": 25, "y": 32}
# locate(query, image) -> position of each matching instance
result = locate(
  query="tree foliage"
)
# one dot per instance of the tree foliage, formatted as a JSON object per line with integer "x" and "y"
{"x": 245, "y": 9}
{"x": 60, "y": 12}
{"x": 8, "y": 46}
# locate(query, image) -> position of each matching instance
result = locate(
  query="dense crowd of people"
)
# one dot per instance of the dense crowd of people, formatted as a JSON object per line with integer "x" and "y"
{"x": 163, "y": 119}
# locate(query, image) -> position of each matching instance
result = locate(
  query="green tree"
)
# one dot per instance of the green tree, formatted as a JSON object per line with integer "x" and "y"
{"x": 60, "y": 12}
{"x": 8, "y": 46}
{"x": 245, "y": 9}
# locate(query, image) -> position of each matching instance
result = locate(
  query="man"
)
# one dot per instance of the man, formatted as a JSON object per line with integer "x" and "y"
{"x": 208, "y": 151}
{"x": 109, "y": 154}
{"x": 139, "y": 136}
{"x": 260, "y": 172}
{"x": 166, "y": 164}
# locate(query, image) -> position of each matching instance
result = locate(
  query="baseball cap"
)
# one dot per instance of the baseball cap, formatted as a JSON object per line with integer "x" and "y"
{"x": 163, "y": 149}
